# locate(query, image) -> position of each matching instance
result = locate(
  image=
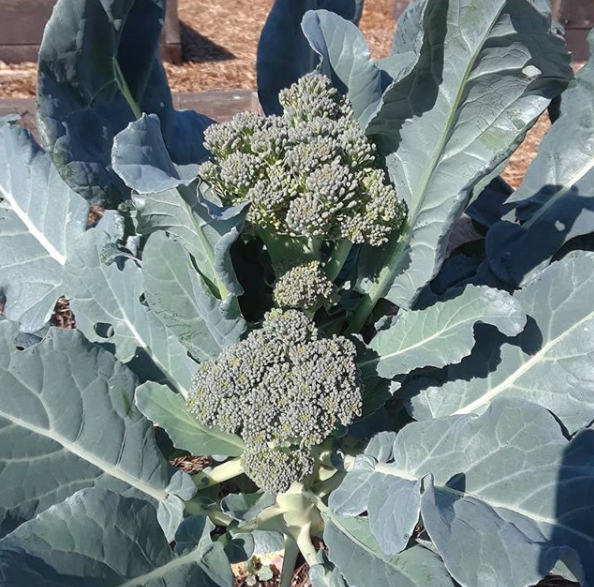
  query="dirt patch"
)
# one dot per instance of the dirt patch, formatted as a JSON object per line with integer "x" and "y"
{"x": 219, "y": 42}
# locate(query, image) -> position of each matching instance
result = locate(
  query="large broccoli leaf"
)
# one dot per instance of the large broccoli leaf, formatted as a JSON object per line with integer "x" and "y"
{"x": 441, "y": 334}
{"x": 555, "y": 202}
{"x": 346, "y": 60}
{"x": 549, "y": 363}
{"x": 41, "y": 219}
{"x": 99, "y": 69}
{"x": 182, "y": 300}
{"x": 168, "y": 410}
{"x": 68, "y": 421}
{"x": 164, "y": 202}
{"x": 503, "y": 496}
{"x": 106, "y": 297}
{"x": 354, "y": 550}
{"x": 485, "y": 72}
{"x": 409, "y": 32}
{"x": 284, "y": 54}
{"x": 97, "y": 537}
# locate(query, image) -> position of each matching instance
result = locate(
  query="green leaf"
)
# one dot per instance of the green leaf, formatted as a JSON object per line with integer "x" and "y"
{"x": 505, "y": 494}
{"x": 41, "y": 219}
{"x": 168, "y": 410}
{"x": 345, "y": 58}
{"x": 106, "y": 300}
{"x": 555, "y": 202}
{"x": 182, "y": 300}
{"x": 485, "y": 73}
{"x": 410, "y": 29}
{"x": 165, "y": 202}
{"x": 353, "y": 549}
{"x": 441, "y": 334}
{"x": 94, "y": 80}
{"x": 284, "y": 55}
{"x": 549, "y": 363}
{"x": 68, "y": 421}
{"x": 100, "y": 538}
{"x": 244, "y": 507}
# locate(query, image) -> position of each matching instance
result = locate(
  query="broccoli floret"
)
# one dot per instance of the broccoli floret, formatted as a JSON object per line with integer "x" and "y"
{"x": 310, "y": 173}
{"x": 284, "y": 388}
{"x": 275, "y": 469}
{"x": 305, "y": 288}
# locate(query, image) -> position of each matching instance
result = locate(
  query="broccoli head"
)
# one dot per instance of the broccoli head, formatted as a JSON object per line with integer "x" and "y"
{"x": 309, "y": 173}
{"x": 305, "y": 288}
{"x": 284, "y": 389}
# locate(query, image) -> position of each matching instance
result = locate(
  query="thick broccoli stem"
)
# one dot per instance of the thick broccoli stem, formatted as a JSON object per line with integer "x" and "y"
{"x": 298, "y": 518}
{"x": 210, "y": 477}
{"x": 338, "y": 259}
{"x": 287, "y": 252}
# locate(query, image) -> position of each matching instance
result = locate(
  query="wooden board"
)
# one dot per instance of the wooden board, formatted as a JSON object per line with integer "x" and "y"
{"x": 219, "y": 105}
{"x": 22, "y": 23}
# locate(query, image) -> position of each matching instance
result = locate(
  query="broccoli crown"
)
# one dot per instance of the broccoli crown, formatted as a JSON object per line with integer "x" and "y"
{"x": 305, "y": 288}
{"x": 309, "y": 173}
{"x": 283, "y": 387}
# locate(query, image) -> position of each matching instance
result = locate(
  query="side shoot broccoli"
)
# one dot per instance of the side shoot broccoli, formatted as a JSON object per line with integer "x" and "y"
{"x": 305, "y": 288}
{"x": 284, "y": 390}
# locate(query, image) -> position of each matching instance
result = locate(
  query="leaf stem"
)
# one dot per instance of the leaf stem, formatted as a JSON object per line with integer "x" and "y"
{"x": 289, "y": 560}
{"x": 123, "y": 85}
{"x": 214, "y": 476}
{"x": 338, "y": 259}
{"x": 218, "y": 518}
{"x": 380, "y": 287}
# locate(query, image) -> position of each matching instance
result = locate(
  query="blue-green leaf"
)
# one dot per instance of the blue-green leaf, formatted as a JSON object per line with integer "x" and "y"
{"x": 168, "y": 410}
{"x": 165, "y": 202}
{"x": 181, "y": 298}
{"x": 106, "y": 299}
{"x": 555, "y": 202}
{"x": 100, "y": 538}
{"x": 355, "y": 552}
{"x": 68, "y": 421}
{"x": 549, "y": 363}
{"x": 505, "y": 495}
{"x": 485, "y": 73}
{"x": 41, "y": 219}
{"x": 99, "y": 69}
{"x": 345, "y": 58}
{"x": 284, "y": 55}
{"x": 442, "y": 333}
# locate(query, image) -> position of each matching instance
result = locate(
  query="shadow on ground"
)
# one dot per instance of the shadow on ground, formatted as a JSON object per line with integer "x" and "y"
{"x": 197, "y": 48}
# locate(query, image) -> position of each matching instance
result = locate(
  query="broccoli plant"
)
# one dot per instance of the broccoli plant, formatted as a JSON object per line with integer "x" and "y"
{"x": 274, "y": 299}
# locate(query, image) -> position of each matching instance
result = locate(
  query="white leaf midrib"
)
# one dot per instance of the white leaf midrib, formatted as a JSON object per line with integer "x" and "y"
{"x": 22, "y": 215}
{"x": 526, "y": 366}
{"x": 79, "y": 451}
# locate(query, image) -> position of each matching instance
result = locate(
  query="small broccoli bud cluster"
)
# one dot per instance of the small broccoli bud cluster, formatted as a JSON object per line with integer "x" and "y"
{"x": 309, "y": 173}
{"x": 305, "y": 288}
{"x": 284, "y": 389}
